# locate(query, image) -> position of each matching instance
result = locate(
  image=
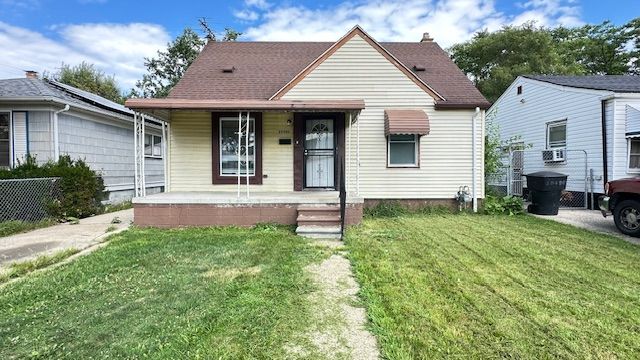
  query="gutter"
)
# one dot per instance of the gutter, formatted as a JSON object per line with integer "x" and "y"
{"x": 474, "y": 193}
{"x": 605, "y": 164}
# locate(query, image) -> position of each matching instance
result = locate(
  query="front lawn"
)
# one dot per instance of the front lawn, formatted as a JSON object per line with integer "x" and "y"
{"x": 196, "y": 293}
{"x": 464, "y": 286}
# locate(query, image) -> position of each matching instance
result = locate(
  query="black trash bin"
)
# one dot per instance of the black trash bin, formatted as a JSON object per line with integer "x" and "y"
{"x": 545, "y": 189}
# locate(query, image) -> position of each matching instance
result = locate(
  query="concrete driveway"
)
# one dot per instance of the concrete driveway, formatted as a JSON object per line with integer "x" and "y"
{"x": 45, "y": 241}
{"x": 590, "y": 220}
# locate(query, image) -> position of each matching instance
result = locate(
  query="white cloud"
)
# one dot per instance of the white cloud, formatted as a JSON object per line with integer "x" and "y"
{"x": 246, "y": 15}
{"x": 260, "y": 4}
{"x": 448, "y": 21}
{"x": 114, "y": 48}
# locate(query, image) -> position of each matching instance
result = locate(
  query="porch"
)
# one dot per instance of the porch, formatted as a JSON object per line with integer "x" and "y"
{"x": 242, "y": 163}
{"x": 307, "y": 209}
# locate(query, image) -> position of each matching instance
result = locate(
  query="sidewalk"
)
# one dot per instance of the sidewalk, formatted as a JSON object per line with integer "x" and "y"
{"x": 88, "y": 232}
{"x": 590, "y": 220}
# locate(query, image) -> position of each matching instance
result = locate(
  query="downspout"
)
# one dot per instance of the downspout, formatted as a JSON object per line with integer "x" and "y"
{"x": 56, "y": 141}
{"x": 474, "y": 175}
{"x": 603, "y": 116}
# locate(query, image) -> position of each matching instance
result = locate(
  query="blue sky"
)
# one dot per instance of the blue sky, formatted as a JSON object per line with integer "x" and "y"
{"x": 116, "y": 34}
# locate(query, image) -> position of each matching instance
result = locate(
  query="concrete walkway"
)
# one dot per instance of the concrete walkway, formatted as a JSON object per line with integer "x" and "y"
{"x": 590, "y": 220}
{"x": 45, "y": 241}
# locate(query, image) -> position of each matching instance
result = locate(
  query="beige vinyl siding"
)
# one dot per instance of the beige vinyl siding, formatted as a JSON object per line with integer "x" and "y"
{"x": 358, "y": 71}
{"x": 191, "y": 153}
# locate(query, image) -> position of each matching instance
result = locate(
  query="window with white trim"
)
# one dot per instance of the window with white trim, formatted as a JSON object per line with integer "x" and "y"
{"x": 634, "y": 154}
{"x": 402, "y": 150}
{"x": 557, "y": 135}
{"x": 152, "y": 146}
{"x": 5, "y": 141}
{"x": 229, "y": 148}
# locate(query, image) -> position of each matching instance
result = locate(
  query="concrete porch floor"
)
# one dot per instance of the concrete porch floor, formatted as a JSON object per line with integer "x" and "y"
{"x": 255, "y": 198}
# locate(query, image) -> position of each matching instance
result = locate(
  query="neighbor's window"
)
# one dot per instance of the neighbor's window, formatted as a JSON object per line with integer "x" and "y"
{"x": 229, "y": 148}
{"x": 152, "y": 146}
{"x": 634, "y": 154}
{"x": 557, "y": 135}
{"x": 5, "y": 154}
{"x": 402, "y": 150}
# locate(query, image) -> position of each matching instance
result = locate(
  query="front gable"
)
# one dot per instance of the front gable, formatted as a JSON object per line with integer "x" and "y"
{"x": 354, "y": 63}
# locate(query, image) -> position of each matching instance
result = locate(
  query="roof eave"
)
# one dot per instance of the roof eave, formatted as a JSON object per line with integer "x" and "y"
{"x": 441, "y": 105}
{"x": 245, "y": 105}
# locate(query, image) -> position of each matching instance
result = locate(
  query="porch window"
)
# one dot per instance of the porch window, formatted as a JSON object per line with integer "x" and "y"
{"x": 557, "y": 135}
{"x": 225, "y": 149}
{"x": 634, "y": 154}
{"x": 152, "y": 146}
{"x": 5, "y": 153}
{"x": 229, "y": 154}
{"x": 402, "y": 150}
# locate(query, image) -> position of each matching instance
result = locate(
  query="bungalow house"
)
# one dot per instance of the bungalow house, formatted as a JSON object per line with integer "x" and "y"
{"x": 581, "y": 126}
{"x": 46, "y": 119}
{"x": 309, "y": 133}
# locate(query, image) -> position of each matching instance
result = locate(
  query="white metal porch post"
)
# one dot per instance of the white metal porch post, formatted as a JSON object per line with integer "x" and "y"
{"x": 239, "y": 147}
{"x": 165, "y": 161}
{"x": 358, "y": 155}
{"x": 246, "y": 150}
{"x": 136, "y": 190}
{"x": 349, "y": 152}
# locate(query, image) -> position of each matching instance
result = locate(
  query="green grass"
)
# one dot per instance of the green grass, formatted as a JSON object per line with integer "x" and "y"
{"x": 109, "y": 208}
{"x": 24, "y": 267}
{"x": 465, "y": 286}
{"x": 16, "y": 226}
{"x": 217, "y": 293}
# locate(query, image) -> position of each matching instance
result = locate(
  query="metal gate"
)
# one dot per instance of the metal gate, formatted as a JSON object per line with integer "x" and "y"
{"x": 573, "y": 163}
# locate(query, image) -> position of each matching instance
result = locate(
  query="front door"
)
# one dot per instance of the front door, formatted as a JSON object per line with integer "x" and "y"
{"x": 319, "y": 153}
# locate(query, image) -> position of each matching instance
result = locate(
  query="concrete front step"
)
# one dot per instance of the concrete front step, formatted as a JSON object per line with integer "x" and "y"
{"x": 319, "y": 219}
{"x": 319, "y": 232}
{"x": 313, "y": 208}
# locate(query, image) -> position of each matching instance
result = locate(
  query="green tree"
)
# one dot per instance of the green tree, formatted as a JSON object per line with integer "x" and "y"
{"x": 598, "y": 49}
{"x": 167, "y": 68}
{"x": 494, "y": 59}
{"x": 87, "y": 77}
{"x": 633, "y": 27}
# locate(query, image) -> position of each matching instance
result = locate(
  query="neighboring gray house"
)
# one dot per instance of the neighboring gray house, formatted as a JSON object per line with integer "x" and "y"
{"x": 599, "y": 114}
{"x": 47, "y": 119}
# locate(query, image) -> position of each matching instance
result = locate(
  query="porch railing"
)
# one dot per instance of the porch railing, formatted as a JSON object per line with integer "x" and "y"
{"x": 343, "y": 196}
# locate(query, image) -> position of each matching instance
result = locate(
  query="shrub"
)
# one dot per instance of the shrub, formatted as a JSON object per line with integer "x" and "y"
{"x": 509, "y": 205}
{"x": 82, "y": 188}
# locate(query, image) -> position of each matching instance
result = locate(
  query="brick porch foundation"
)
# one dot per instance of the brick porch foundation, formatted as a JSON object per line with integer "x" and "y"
{"x": 177, "y": 215}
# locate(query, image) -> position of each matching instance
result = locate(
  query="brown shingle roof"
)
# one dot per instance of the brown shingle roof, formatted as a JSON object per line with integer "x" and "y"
{"x": 262, "y": 68}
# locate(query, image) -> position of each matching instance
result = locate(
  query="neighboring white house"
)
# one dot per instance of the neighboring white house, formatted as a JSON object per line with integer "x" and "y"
{"x": 46, "y": 119}
{"x": 552, "y": 113}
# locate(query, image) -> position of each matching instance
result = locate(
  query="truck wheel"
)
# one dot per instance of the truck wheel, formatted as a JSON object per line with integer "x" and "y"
{"x": 627, "y": 217}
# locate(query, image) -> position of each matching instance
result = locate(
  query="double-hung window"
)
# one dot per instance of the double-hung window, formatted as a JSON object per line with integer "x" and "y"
{"x": 402, "y": 150}
{"x": 557, "y": 135}
{"x": 152, "y": 146}
{"x": 5, "y": 141}
{"x": 237, "y": 156}
{"x": 237, "y": 151}
{"x": 634, "y": 154}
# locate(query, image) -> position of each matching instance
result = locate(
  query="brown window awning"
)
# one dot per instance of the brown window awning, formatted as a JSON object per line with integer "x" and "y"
{"x": 414, "y": 122}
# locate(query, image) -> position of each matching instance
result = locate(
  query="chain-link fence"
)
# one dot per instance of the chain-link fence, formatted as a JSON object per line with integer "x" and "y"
{"x": 511, "y": 179}
{"x": 27, "y": 199}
